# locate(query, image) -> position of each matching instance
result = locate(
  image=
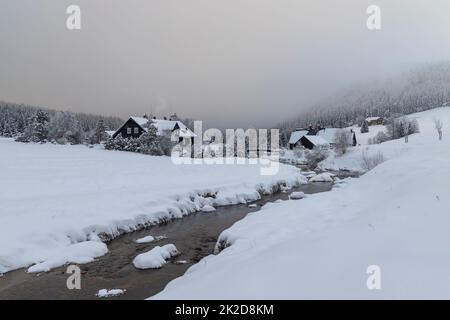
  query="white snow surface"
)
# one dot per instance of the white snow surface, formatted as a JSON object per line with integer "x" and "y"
{"x": 53, "y": 196}
{"x": 297, "y": 195}
{"x": 145, "y": 239}
{"x": 322, "y": 177}
{"x": 79, "y": 253}
{"x": 208, "y": 208}
{"x": 105, "y": 293}
{"x": 396, "y": 217}
{"x": 155, "y": 258}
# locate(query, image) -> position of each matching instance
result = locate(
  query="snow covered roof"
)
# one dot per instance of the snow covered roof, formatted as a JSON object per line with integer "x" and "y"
{"x": 329, "y": 134}
{"x": 316, "y": 140}
{"x": 372, "y": 119}
{"x": 139, "y": 120}
{"x": 162, "y": 126}
{"x": 297, "y": 135}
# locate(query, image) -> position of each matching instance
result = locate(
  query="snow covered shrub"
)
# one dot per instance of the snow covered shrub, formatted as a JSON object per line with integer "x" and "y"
{"x": 342, "y": 139}
{"x": 313, "y": 157}
{"x": 298, "y": 153}
{"x": 369, "y": 162}
{"x": 379, "y": 138}
{"x": 149, "y": 143}
{"x": 401, "y": 127}
{"x": 65, "y": 128}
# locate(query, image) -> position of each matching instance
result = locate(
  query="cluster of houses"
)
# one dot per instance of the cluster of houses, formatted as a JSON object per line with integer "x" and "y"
{"x": 319, "y": 137}
{"x": 311, "y": 137}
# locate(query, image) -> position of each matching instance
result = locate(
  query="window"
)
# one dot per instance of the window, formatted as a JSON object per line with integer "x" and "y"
{"x": 128, "y": 130}
{"x": 136, "y": 130}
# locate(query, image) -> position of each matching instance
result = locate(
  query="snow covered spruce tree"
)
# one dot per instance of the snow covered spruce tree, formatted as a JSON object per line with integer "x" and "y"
{"x": 39, "y": 127}
{"x": 37, "y": 130}
{"x": 365, "y": 127}
{"x": 100, "y": 133}
{"x": 150, "y": 143}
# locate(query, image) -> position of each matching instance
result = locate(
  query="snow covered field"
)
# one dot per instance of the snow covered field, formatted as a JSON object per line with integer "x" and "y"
{"x": 396, "y": 218}
{"x": 53, "y": 197}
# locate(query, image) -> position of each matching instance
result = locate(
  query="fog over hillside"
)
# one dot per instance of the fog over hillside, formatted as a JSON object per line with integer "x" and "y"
{"x": 421, "y": 88}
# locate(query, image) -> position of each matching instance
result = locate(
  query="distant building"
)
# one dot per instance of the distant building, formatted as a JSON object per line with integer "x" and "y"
{"x": 326, "y": 134}
{"x": 374, "y": 121}
{"x": 134, "y": 127}
{"x": 310, "y": 142}
{"x": 294, "y": 140}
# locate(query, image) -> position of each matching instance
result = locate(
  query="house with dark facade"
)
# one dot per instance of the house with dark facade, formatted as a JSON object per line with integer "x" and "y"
{"x": 311, "y": 142}
{"x": 327, "y": 137}
{"x": 374, "y": 121}
{"x": 134, "y": 127}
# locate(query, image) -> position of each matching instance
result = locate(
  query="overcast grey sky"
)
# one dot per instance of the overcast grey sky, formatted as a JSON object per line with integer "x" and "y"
{"x": 229, "y": 62}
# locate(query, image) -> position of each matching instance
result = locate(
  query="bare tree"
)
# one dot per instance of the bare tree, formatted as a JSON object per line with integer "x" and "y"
{"x": 438, "y": 125}
{"x": 341, "y": 141}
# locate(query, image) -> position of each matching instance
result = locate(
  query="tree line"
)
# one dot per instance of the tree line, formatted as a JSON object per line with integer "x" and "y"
{"x": 421, "y": 88}
{"x": 33, "y": 124}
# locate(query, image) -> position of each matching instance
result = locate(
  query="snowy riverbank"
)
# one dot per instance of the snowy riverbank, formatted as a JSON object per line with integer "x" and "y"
{"x": 394, "y": 217}
{"x": 54, "y": 196}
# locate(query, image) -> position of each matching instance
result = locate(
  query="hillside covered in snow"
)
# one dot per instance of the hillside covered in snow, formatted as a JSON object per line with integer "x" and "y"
{"x": 394, "y": 219}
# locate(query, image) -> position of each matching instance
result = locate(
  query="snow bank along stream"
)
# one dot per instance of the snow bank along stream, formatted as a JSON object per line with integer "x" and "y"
{"x": 195, "y": 236}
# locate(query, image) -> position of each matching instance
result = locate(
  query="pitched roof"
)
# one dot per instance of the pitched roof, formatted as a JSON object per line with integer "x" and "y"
{"x": 329, "y": 134}
{"x": 316, "y": 140}
{"x": 373, "y": 119}
{"x": 163, "y": 125}
{"x": 297, "y": 135}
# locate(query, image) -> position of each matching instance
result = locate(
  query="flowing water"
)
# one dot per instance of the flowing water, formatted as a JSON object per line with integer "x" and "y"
{"x": 195, "y": 236}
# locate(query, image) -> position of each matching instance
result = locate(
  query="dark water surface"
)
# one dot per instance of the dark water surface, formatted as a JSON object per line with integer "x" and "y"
{"x": 195, "y": 236}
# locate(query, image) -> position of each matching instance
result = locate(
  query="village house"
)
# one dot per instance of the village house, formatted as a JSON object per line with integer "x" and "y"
{"x": 134, "y": 127}
{"x": 327, "y": 135}
{"x": 374, "y": 121}
{"x": 311, "y": 142}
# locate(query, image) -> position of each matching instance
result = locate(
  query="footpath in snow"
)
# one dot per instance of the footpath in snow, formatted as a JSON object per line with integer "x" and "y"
{"x": 53, "y": 197}
{"x": 394, "y": 219}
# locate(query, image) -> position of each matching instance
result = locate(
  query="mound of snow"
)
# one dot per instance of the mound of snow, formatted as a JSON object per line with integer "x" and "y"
{"x": 322, "y": 177}
{"x": 155, "y": 258}
{"x": 146, "y": 239}
{"x": 297, "y": 195}
{"x": 79, "y": 253}
{"x": 105, "y": 293}
{"x": 208, "y": 208}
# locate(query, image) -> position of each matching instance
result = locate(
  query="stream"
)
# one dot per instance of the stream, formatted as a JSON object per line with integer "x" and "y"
{"x": 194, "y": 235}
